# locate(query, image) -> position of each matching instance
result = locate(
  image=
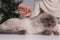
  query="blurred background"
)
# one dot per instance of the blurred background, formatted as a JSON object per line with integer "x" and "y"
{"x": 8, "y": 9}
{"x": 29, "y": 3}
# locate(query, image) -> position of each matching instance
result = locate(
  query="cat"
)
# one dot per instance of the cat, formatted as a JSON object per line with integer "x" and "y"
{"x": 40, "y": 24}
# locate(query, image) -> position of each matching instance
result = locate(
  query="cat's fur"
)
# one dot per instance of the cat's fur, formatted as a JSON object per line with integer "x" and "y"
{"x": 31, "y": 26}
{"x": 44, "y": 24}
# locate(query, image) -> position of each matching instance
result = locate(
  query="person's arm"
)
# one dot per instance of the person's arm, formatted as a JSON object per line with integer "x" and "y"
{"x": 36, "y": 9}
{"x": 49, "y": 6}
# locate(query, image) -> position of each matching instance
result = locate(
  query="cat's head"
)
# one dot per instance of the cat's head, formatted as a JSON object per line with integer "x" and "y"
{"x": 46, "y": 20}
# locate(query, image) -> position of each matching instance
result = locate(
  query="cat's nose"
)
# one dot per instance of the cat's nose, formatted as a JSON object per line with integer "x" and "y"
{"x": 49, "y": 24}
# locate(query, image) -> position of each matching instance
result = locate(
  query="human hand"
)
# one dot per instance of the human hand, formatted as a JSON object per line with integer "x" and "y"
{"x": 24, "y": 10}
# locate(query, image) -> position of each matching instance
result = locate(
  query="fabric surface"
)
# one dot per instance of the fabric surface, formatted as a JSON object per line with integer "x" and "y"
{"x": 51, "y": 6}
{"x": 27, "y": 37}
{"x": 48, "y": 6}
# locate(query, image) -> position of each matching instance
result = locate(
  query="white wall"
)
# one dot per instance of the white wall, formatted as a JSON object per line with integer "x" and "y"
{"x": 29, "y": 3}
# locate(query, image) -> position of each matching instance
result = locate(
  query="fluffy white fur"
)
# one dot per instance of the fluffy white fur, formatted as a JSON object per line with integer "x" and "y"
{"x": 16, "y": 25}
{"x": 31, "y": 26}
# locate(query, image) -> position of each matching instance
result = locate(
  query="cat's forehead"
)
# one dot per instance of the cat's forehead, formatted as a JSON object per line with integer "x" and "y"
{"x": 48, "y": 16}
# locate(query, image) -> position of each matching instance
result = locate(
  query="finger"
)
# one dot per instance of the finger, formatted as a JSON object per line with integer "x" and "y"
{"x": 24, "y": 13}
{"x": 21, "y": 12}
{"x": 29, "y": 14}
{"x": 23, "y": 7}
{"x": 27, "y": 10}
